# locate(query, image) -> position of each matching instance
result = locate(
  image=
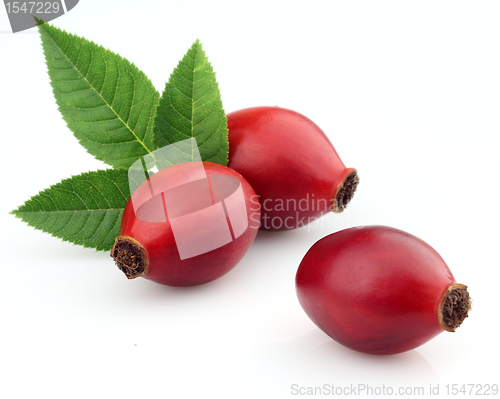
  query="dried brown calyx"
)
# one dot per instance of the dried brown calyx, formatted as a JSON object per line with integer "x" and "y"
{"x": 130, "y": 257}
{"x": 345, "y": 192}
{"x": 454, "y": 307}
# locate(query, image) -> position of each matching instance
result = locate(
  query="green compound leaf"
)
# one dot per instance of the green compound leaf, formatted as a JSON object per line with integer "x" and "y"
{"x": 191, "y": 106}
{"x": 107, "y": 102}
{"x": 85, "y": 209}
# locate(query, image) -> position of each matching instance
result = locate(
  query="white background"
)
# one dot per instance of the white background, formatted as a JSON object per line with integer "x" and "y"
{"x": 407, "y": 91}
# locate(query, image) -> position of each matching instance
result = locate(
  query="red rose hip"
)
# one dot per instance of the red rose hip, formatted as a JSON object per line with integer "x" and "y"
{"x": 291, "y": 165}
{"x": 186, "y": 225}
{"x": 379, "y": 290}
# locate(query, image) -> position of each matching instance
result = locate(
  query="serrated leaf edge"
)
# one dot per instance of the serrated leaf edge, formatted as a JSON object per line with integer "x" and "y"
{"x": 18, "y": 213}
{"x": 131, "y": 64}
{"x": 197, "y": 47}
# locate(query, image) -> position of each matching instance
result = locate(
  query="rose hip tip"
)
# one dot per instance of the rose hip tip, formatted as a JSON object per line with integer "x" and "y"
{"x": 130, "y": 257}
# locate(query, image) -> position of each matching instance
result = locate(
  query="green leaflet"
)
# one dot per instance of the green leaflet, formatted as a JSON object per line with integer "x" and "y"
{"x": 117, "y": 115}
{"x": 85, "y": 209}
{"x": 191, "y": 107}
{"x": 107, "y": 102}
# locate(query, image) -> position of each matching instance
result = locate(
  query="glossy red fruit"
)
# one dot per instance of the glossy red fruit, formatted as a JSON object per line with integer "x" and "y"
{"x": 379, "y": 290}
{"x": 179, "y": 229}
{"x": 291, "y": 165}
